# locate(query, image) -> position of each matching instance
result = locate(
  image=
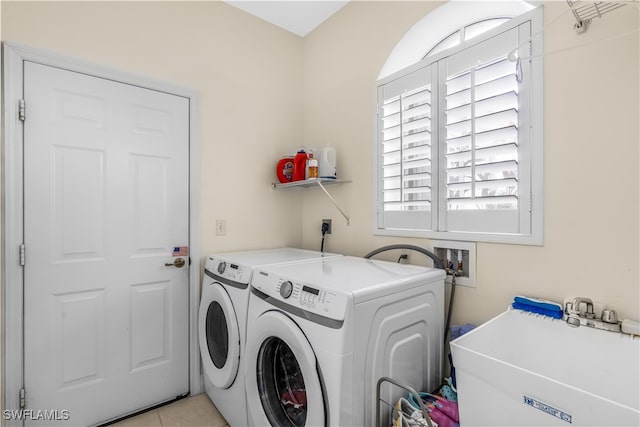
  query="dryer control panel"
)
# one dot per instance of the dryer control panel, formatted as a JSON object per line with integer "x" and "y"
{"x": 309, "y": 298}
{"x": 228, "y": 270}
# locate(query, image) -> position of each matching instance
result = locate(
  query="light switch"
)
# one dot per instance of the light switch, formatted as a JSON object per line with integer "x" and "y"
{"x": 221, "y": 227}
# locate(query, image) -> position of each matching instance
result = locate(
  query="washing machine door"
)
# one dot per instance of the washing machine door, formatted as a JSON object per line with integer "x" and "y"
{"x": 283, "y": 385}
{"x": 219, "y": 335}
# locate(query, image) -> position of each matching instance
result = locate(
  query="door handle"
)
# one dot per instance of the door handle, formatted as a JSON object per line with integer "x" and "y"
{"x": 178, "y": 263}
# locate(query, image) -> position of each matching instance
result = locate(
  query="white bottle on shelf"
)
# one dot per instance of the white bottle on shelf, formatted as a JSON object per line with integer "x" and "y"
{"x": 326, "y": 157}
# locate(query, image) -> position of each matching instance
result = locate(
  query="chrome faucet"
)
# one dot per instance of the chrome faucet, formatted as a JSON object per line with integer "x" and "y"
{"x": 572, "y": 310}
{"x": 588, "y": 313}
{"x": 575, "y": 317}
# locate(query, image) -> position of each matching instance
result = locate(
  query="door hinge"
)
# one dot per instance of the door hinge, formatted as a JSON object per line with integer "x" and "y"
{"x": 23, "y": 397}
{"x": 21, "y": 110}
{"x": 22, "y": 255}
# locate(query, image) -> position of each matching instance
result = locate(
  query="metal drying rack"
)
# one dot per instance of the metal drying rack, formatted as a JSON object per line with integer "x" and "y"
{"x": 382, "y": 380}
{"x": 585, "y": 11}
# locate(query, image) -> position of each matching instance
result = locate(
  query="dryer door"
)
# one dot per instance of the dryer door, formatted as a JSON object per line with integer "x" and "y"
{"x": 219, "y": 336}
{"x": 281, "y": 374}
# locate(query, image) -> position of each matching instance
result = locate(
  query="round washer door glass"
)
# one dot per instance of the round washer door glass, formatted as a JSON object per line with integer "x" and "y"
{"x": 217, "y": 335}
{"x": 281, "y": 384}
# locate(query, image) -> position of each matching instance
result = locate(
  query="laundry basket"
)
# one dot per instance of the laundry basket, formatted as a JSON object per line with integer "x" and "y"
{"x": 383, "y": 420}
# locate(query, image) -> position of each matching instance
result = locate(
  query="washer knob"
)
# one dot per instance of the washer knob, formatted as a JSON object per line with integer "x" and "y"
{"x": 221, "y": 267}
{"x": 286, "y": 289}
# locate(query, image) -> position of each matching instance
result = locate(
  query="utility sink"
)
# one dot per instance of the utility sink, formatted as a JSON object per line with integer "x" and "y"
{"x": 525, "y": 369}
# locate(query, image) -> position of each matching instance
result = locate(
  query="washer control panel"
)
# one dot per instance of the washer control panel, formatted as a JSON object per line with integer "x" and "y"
{"x": 314, "y": 299}
{"x": 228, "y": 270}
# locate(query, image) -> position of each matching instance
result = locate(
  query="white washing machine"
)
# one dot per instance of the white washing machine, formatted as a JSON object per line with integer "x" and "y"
{"x": 321, "y": 333}
{"x": 222, "y": 322}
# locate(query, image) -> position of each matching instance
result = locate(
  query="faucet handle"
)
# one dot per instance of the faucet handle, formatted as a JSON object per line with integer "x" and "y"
{"x": 570, "y": 309}
{"x": 572, "y": 315}
{"x": 588, "y": 312}
{"x": 609, "y": 315}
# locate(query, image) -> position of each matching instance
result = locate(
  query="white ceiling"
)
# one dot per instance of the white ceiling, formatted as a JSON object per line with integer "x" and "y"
{"x": 300, "y": 17}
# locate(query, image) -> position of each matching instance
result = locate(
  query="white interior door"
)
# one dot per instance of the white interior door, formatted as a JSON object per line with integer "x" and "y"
{"x": 106, "y": 200}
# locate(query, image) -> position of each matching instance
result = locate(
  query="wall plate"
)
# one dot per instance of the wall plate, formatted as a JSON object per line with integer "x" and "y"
{"x": 468, "y": 278}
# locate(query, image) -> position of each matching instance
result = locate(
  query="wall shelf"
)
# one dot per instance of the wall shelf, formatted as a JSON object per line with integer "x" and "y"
{"x": 313, "y": 183}
{"x": 307, "y": 183}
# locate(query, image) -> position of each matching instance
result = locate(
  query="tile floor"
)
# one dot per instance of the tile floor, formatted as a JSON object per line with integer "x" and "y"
{"x": 193, "y": 411}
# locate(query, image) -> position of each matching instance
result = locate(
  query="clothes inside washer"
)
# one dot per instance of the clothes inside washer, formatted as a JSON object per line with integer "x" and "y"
{"x": 281, "y": 385}
{"x": 293, "y": 396}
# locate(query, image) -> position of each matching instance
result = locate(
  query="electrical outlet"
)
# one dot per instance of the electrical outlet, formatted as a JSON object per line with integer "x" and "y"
{"x": 328, "y": 222}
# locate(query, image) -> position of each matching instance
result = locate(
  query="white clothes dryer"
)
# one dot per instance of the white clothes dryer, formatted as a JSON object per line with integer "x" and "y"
{"x": 222, "y": 322}
{"x": 321, "y": 333}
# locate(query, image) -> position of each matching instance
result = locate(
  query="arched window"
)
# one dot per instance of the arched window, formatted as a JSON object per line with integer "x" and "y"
{"x": 444, "y": 21}
{"x": 466, "y": 33}
{"x": 459, "y": 127}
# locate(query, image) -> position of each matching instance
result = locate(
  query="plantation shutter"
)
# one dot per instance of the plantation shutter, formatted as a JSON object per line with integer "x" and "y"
{"x": 482, "y": 140}
{"x": 458, "y": 147}
{"x": 405, "y": 152}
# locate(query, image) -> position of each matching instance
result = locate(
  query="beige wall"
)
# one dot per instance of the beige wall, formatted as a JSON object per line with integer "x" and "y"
{"x": 248, "y": 75}
{"x": 591, "y": 156}
{"x": 249, "y": 78}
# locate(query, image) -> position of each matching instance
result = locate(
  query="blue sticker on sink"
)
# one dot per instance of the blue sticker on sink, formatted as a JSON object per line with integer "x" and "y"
{"x": 547, "y": 408}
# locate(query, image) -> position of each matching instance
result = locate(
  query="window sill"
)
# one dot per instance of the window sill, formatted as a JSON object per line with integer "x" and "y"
{"x": 534, "y": 239}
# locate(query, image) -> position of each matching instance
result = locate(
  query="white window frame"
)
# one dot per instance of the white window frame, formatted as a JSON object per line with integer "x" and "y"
{"x": 535, "y": 199}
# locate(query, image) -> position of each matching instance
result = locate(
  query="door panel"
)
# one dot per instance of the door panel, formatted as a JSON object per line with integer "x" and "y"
{"x": 79, "y": 324}
{"x": 150, "y": 210}
{"x": 106, "y": 200}
{"x": 78, "y": 197}
{"x": 150, "y": 318}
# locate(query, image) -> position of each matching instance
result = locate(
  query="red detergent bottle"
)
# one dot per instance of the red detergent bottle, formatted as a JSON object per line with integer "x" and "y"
{"x": 299, "y": 166}
{"x": 284, "y": 169}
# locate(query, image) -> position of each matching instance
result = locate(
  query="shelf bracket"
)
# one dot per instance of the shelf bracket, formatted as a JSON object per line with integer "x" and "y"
{"x": 335, "y": 203}
{"x": 312, "y": 183}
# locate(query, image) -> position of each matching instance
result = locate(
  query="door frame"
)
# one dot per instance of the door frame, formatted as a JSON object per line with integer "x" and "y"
{"x": 12, "y": 224}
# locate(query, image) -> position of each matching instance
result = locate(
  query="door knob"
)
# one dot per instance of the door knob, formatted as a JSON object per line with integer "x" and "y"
{"x": 178, "y": 263}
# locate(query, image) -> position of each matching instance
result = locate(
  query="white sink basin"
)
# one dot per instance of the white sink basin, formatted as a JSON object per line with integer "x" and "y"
{"x": 522, "y": 369}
